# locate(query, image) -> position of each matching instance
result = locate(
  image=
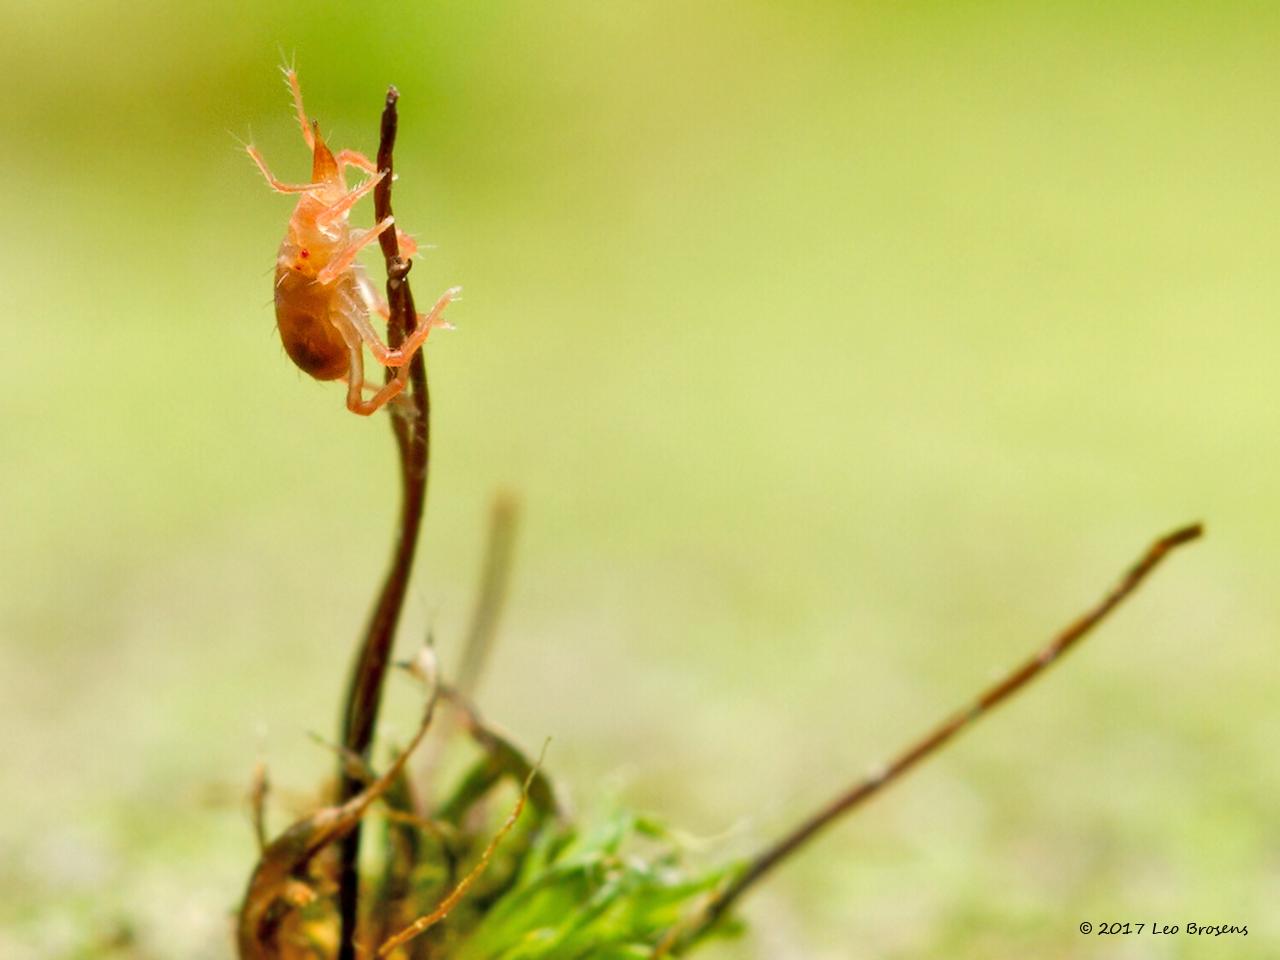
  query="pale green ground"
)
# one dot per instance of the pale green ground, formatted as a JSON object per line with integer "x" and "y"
{"x": 839, "y": 353}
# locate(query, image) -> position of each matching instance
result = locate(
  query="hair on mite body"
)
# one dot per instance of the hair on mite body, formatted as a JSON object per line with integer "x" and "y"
{"x": 323, "y": 296}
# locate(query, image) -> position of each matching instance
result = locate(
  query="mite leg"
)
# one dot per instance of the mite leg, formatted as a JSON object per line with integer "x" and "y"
{"x": 356, "y": 402}
{"x": 347, "y": 255}
{"x": 426, "y": 323}
{"x": 408, "y": 245}
{"x": 275, "y": 184}
{"x": 342, "y": 207}
{"x": 375, "y": 303}
{"x": 291, "y": 77}
{"x": 370, "y": 297}
{"x": 354, "y": 158}
{"x": 401, "y": 356}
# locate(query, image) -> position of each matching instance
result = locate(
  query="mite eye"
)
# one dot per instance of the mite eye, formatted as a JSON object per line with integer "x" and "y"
{"x": 304, "y": 254}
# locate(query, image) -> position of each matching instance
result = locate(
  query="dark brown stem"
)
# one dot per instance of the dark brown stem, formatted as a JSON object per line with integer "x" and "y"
{"x": 413, "y": 437}
{"x": 931, "y": 742}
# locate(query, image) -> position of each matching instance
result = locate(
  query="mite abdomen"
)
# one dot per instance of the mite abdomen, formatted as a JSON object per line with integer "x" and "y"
{"x": 302, "y": 316}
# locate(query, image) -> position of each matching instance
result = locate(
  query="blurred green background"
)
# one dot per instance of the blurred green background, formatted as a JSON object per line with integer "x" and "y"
{"x": 840, "y": 353}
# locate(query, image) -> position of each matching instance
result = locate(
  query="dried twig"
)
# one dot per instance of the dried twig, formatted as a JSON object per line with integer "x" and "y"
{"x": 779, "y": 851}
{"x": 413, "y": 437}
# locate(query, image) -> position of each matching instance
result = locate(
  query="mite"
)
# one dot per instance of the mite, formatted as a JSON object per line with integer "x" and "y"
{"x": 324, "y": 298}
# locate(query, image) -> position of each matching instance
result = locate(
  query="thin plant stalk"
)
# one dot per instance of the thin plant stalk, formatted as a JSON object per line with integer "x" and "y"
{"x": 412, "y": 430}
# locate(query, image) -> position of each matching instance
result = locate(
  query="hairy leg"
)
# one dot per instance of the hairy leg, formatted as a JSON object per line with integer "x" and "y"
{"x": 291, "y": 77}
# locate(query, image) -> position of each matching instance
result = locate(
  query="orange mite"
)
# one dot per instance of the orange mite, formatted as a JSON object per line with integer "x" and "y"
{"x": 324, "y": 298}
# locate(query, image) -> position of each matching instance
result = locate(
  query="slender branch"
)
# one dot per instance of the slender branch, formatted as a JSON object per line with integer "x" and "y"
{"x": 413, "y": 438}
{"x": 933, "y": 741}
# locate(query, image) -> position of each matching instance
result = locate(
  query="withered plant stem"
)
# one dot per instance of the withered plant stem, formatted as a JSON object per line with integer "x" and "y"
{"x": 413, "y": 438}
{"x": 876, "y": 781}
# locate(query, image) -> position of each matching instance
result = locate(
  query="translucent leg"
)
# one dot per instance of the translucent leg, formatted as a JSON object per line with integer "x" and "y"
{"x": 342, "y": 262}
{"x": 342, "y": 207}
{"x": 408, "y": 245}
{"x": 400, "y": 356}
{"x": 291, "y": 77}
{"x": 354, "y": 158}
{"x": 356, "y": 402}
{"x": 275, "y": 184}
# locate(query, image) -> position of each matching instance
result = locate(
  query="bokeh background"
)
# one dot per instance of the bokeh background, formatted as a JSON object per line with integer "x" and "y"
{"x": 839, "y": 353}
